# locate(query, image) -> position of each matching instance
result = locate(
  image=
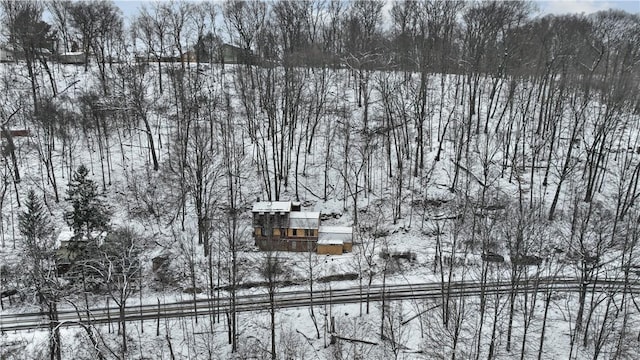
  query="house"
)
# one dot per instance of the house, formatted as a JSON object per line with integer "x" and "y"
{"x": 15, "y": 133}
{"x": 43, "y": 53}
{"x": 69, "y": 246}
{"x": 230, "y": 54}
{"x": 64, "y": 247}
{"x": 7, "y": 54}
{"x": 283, "y": 226}
{"x": 76, "y": 57}
{"x": 189, "y": 56}
{"x": 8, "y": 145}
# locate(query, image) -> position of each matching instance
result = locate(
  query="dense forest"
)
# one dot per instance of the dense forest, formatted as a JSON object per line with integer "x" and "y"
{"x": 489, "y": 143}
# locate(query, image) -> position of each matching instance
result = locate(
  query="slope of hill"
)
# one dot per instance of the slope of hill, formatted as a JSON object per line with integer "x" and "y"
{"x": 521, "y": 174}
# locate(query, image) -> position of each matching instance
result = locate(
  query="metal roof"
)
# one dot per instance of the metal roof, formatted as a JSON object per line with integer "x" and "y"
{"x": 336, "y": 229}
{"x": 304, "y": 215}
{"x": 342, "y": 233}
{"x": 304, "y": 220}
{"x": 271, "y": 207}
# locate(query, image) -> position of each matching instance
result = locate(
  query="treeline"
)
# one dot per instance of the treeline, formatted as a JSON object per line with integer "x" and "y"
{"x": 489, "y": 37}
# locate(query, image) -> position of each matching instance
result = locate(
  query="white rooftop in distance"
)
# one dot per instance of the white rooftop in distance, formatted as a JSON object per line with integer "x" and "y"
{"x": 271, "y": 207}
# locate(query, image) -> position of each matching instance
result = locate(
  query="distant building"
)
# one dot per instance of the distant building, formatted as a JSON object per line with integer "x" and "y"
{"x": 7, "y": 54}
{"x": 76, "y": 57}
{"x": 43, "y": 52}
{"x": 65, "y": 247}
{"x": 235, "y": 55}
{"x": 189, "y": 56}
{"x": 282, "y": 226}
{"x": 15, "y": 133}
{"x": 69, "y": 246}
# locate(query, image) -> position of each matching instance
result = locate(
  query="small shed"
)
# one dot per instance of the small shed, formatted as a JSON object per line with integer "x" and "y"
{"x": 342, "y": 233}
{"x": 330, "y": 247}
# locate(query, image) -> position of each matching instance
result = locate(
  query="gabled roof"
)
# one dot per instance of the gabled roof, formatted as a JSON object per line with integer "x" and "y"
{"x": 342, "y": 233}
{"x": 232, "y": 47}
{"x": 305, "y": 215}
{"x": 336, "y": 229}
{"x": 304, "y": 220}
{"x": 271, "y": 207}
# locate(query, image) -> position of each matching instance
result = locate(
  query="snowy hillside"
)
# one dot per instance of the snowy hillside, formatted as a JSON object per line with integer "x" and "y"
{"x": 517, "y": 182}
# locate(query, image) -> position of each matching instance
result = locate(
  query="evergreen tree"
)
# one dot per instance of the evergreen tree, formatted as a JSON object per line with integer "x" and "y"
{"x": 39, "y": 264}
{"x": 34, "y": 223}
{"x": 89, "y": 213}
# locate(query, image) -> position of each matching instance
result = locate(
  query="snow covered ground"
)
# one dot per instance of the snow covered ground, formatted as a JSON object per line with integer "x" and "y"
{"x": 395, "y": 211}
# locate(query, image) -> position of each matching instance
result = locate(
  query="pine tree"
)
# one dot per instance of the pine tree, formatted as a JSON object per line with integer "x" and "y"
{"x": 34, "y": 223}
{"x": 89, "y": 213}
{"x": 35, "y": 226}
{"x": 39, "y": 264}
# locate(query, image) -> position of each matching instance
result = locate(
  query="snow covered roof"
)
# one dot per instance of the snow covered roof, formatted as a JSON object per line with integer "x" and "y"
{"x": 342, "y": 233}
{"x": 305, "y": 215}
{"x": 271, "y": 207}
{"x": 64, "y": 236}
{"x": 336, "y": 229}
{"x": 68, "y": 235}
{"x": 304, "y": 220}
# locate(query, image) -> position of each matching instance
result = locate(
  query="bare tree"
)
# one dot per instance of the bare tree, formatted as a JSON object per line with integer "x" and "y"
{"x": 151, "y": 27}
{"x": 272, "y": 270}
{"x": 132, "y": 95}
{"x": 99, "y": 24}
{"x": 120, "y": 267}
{"x": 29, "y": 35}
{"x": 61, "y": 16}
{"x": 243, "y": 20}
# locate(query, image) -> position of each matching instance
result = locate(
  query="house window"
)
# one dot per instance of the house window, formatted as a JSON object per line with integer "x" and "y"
{"x": 308, "y": 232}
{"x": 295, "y": 232}
{"x": 293, "y": 245}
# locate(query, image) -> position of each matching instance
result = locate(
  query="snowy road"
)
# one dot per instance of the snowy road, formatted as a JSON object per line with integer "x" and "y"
{"x": 292, "y": 299}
